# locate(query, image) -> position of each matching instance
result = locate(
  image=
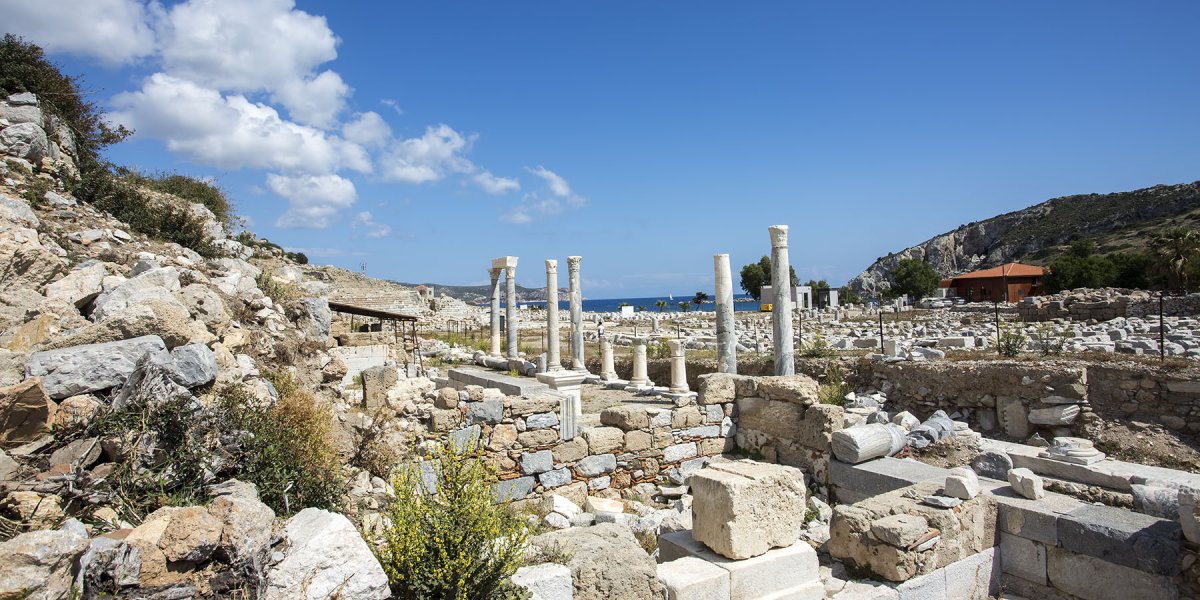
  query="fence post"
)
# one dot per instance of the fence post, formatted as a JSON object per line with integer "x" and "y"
{"x": 1162, "y": 350}
{"x": 881, "y": 328}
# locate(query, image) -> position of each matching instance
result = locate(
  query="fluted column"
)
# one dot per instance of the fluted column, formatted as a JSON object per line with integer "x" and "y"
{"x": 553, "y": 358}
{"x": 726, "y": 336}
{"x": 510, "y": 311}
{"x": 494, "y": 345}
{"x": 576, "y": 308}
{"x": 781, "y": 312}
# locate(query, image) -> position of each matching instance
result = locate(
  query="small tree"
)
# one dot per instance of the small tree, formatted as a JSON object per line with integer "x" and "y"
{"x": 451, "y": 541}
{"x": 914, "y": 278}
{"x": 661, "y": 304}
{"x": 756, "y": 275}
{"x": 684, "y": 306}
{"x": 699, "y": 298}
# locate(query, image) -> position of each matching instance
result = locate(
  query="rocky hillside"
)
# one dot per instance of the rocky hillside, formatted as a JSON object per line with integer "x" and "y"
{"x": 1118, "y": 221}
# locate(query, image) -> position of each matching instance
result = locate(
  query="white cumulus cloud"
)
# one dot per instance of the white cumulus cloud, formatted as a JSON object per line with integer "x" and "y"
{"x": 112, "y": 31}
{"x": 313, "y": 199}
{"x": 427, "y": 158}
{"x": 556, "y": 198}
{"x": 368, "y": 129}
{"x": 495, "y": 185}
{"x": 231, "y": 131}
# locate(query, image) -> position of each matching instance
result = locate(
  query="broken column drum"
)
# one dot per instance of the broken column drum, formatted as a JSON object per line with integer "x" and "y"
{"x": 679, "y": 384}
{"x": 726, "y": 336}
{"x": 494, "y": 345}
{"x": 576, "y": 308}
{"x": 781, "y": 311}
{"x": 553, "y": 358}
{"x": 510, "y": 311}
{"x": 608, "y": 368}
{"x": 639, "y": 377}
{"x": 863, "y": 442}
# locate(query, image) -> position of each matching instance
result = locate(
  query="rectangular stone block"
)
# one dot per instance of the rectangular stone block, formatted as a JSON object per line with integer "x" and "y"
{"x": 1035, "y": 520}
{"x": 1024, "y": 558}
{"x": 879, "y": 476}
{"x": 677, "y": 544}
{"x": 1091, "y": 578}
{"x": 691, "y": 578}
{"x": 924, "y": 587}
{"x": 744, "y": 508}
{"x": 1122, "y": 537}
{"x": 976, "y": 577}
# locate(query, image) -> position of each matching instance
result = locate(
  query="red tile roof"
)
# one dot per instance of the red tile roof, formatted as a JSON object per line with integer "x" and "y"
{"x": 1005, "y": 270}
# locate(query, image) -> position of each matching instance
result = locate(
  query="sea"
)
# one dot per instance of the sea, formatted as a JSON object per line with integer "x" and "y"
{"x": 741, "y": 302}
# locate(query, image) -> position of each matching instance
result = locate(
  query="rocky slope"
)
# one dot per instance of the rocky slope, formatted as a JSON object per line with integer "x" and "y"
{"x": 1117, "y": 221}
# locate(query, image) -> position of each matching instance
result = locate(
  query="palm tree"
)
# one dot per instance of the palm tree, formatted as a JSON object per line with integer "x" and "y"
{"x": 699, "y": 298}
{"x": 684, "y": 306}
{"x": 1174, "y": 250}
{"x": 661, "y": 304}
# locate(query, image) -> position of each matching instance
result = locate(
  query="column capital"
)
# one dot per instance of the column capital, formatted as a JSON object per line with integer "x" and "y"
{"x": 573, "y": 262}
{"x": 551, "y": 265}
{"x": 779, "y": 236}
{"x": 510, "y": 272}
{"x": 494, "y": 273}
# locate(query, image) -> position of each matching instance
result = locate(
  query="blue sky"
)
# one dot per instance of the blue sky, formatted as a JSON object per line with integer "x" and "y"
{"x": 425, "y": 138}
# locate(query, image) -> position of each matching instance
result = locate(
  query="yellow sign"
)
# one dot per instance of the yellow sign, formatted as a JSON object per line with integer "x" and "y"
{"x": 764, "y": 307}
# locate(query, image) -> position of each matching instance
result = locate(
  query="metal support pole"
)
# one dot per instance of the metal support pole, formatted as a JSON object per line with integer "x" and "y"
{"x": 881, "y": 329}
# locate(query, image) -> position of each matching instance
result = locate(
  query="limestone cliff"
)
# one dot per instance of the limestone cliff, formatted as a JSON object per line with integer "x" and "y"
{"x": 1117, "y": 221}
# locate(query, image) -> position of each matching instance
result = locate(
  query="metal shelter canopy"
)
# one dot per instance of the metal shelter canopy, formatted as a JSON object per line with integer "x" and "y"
{"x": 404, "y": 335}
{"x": 382, "y": 315}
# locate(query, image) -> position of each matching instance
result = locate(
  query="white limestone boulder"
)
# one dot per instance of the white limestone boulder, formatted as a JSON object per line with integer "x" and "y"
{"x": 158, "y": 283}
{"x": 40, "y": 564}
{"x": 90, "y": 368}
{"x": 744, "y": 508}
{"x": 322, "y": 554}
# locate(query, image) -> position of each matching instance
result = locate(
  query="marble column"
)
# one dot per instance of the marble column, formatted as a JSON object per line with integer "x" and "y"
{"x": 553, "y": 358}
{"x": 726, "y": 336}
{"x": 576, "y": 308}
{"x": 781, "y": 312}
{"x": 608, "y": 367}
{"x": 679, "y": 384}
{"x": 494, "y": 346}
{"x": 639, "y": 378}
{"x": 510, "y": 310}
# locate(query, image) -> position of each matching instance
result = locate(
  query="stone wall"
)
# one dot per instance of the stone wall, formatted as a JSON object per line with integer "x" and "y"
{"x": 1104, "y": 305}
{"x": 634, "y": 443}
{"x": 1148, "y": 394}
{"x": 779, "y": 419}
{"x": 995, "y": 397}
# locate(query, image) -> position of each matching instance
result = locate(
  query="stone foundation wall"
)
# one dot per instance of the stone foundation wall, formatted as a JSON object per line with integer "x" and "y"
{"x": 993, "y": 396}
{"x": 634, "y": 444}
{"x": 1105, "y": 305}
{"x": 779, "y": 419}
{"x": 996, "y": 397}
{"x": 1147, "y": 394}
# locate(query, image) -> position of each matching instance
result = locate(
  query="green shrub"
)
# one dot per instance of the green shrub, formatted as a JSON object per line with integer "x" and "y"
{"x": 281, "y": 292}
{"x": 834, "y": 390}
{"x": 1049, "y": 341}
{"x": 161, "y": 220}
{"x": 451, "y": 542}
{"x": 658, "y": 348}
{"x": 190, "y": 189}
{"x": 817, "y": 348}
{"x": 1011, "y": 342}
{"x": 287, "y": 450}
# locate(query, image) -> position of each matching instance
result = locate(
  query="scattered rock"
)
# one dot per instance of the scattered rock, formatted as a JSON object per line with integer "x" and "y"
{"x": 321, "y": 555}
